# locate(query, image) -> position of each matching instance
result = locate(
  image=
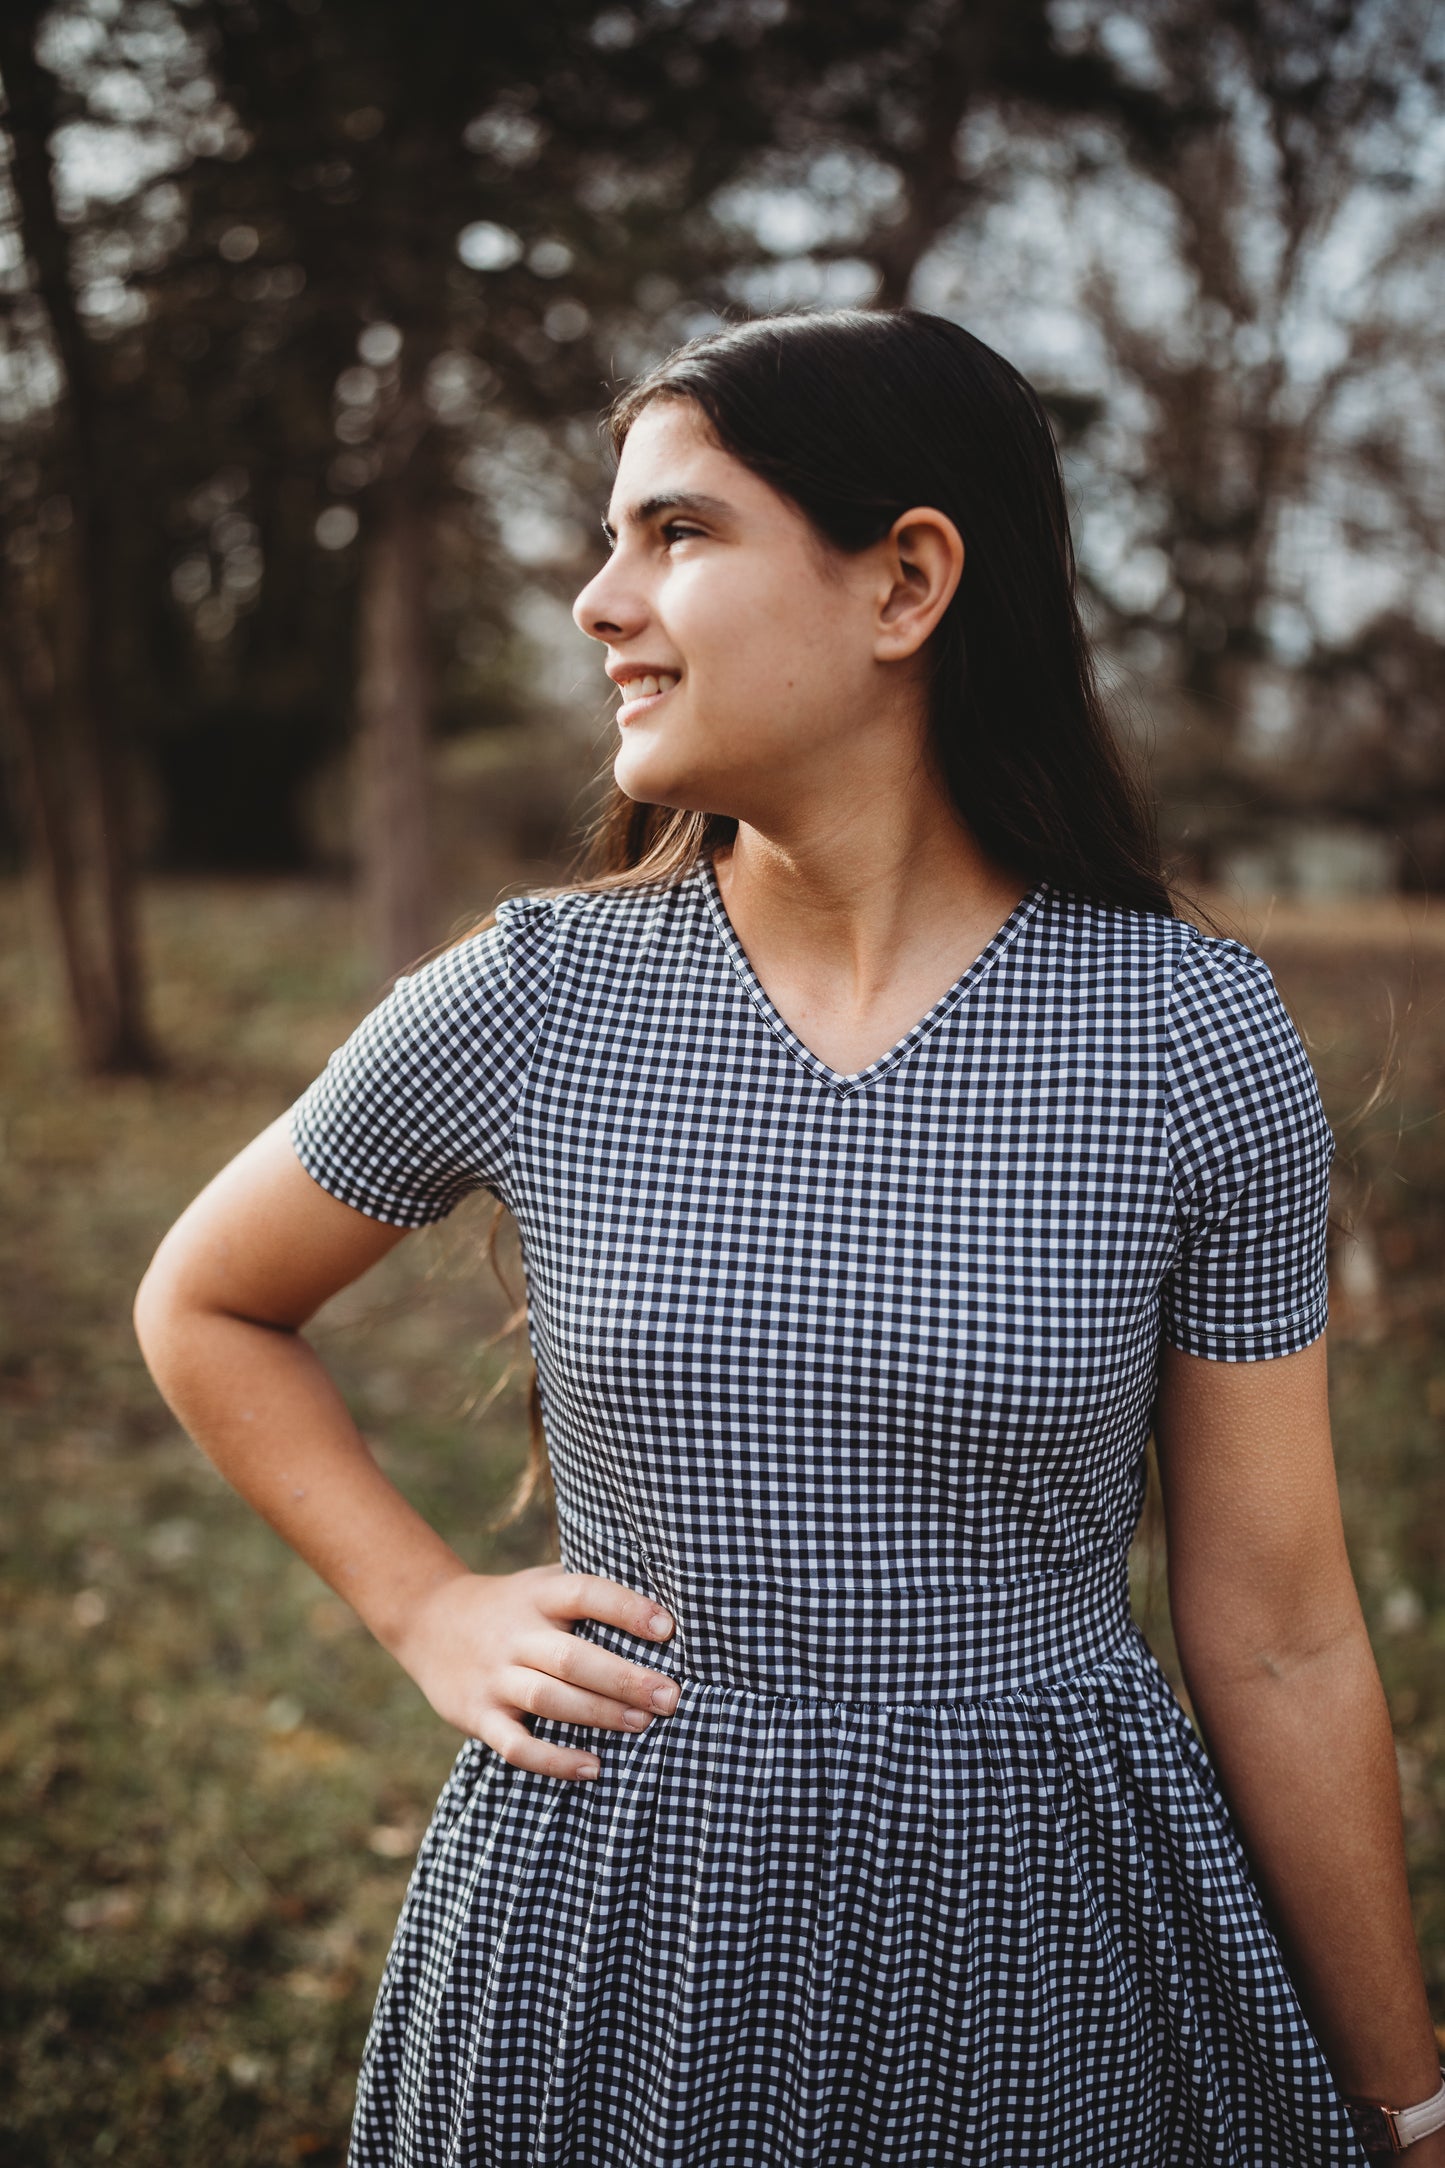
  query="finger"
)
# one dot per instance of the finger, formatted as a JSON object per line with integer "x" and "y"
{"x": 521, "y": 1750}
{"x": 595, "y": 1670}
{"x": 589, "y": 1595}
{"x": 543, "y": 1696}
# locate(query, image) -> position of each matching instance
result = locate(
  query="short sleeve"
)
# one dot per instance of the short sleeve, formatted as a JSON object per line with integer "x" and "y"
{"x": 417, "y": 1108}
{"x": 1250, "y": 1152}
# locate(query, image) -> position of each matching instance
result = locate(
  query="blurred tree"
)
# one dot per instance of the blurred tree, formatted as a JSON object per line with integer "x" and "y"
{"x": 1374, "y": 734}
{"x": 62, "y": 699}
{"x": 1289, "y": 228}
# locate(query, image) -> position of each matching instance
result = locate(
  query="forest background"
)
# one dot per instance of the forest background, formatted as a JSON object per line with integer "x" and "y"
{"x": 308, "y": 311}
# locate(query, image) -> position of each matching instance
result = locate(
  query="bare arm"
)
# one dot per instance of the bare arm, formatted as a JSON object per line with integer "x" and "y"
{"x": 218, "y": 1316}
{"x": 1279, "y": 1668}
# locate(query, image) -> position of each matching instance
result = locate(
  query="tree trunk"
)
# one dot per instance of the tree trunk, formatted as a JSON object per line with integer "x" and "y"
{"x": 932, "y": 191}
{"x": 393, "y": 727}
{"x": 102, "y": 956}
{"x": 50, "y": 808}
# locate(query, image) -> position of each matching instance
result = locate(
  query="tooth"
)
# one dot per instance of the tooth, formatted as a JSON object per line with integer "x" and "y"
{"x": 646, "y": 687}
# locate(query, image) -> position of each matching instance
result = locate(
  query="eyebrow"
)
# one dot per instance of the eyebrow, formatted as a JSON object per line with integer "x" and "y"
{"x": 680, "y": 500}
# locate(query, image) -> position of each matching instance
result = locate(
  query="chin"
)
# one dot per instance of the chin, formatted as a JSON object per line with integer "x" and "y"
{"x": 650, "y": 780}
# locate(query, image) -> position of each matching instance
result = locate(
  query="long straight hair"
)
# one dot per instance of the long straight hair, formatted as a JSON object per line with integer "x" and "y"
{"x": 856, "y": 416}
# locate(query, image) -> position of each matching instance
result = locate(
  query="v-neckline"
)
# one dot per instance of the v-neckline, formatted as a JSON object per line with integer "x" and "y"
{"x": 836, "y": 1080}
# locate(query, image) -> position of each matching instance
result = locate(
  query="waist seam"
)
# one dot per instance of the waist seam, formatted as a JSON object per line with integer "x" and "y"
{"x": 1131, "y": 1641}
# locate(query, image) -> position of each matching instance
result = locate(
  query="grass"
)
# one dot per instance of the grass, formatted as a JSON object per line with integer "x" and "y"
{"x": 211, "y": 1781}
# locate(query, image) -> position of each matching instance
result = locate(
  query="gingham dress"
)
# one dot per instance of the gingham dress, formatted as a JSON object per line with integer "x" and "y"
{"x": 855, "y": 1374}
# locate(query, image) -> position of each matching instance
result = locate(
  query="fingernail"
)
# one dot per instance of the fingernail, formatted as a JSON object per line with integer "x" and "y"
{"x": 636, "y": 1718}
{"x": 589, "y": 1769}
{"x": 661, "y": 1623}
{"x": 663, "y": 1697}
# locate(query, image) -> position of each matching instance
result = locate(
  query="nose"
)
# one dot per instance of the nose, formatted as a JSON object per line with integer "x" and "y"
{"x": 603, "y": 611}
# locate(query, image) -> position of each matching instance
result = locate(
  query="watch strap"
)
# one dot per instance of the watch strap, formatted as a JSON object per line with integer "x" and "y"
{"x": 1384, "y": 2131}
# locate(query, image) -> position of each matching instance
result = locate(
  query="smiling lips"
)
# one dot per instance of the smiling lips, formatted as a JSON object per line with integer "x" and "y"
{"x": 641, "y": 692}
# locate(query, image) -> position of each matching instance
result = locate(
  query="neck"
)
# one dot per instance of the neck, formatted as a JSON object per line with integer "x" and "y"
{"x": 860, "y": 888}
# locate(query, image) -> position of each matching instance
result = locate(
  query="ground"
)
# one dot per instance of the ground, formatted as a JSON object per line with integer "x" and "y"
{"x": 211, "y": 1781}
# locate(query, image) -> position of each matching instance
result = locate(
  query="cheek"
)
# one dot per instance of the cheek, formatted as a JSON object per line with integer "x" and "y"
{"x": 768, "y": 660}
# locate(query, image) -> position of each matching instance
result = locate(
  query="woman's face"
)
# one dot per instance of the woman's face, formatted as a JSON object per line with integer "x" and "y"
{"x": 770, "y": 638}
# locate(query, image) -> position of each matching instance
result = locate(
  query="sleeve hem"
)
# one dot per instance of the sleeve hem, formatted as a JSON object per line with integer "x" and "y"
{"x": 1251, "y": 1343}
{"x": 392, "y": 1211}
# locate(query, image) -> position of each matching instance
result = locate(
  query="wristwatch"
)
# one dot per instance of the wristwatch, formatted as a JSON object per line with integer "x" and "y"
{"x": 1383, "y": 2131}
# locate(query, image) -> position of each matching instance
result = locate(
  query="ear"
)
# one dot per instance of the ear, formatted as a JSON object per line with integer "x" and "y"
{"x": 922, "y": 563}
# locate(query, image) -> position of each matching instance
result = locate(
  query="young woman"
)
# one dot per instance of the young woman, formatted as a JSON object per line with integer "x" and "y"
{"x": 888, "y": 1158}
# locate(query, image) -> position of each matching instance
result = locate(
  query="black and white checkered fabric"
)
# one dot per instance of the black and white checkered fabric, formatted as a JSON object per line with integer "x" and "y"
{"x": 854, "y": 1373}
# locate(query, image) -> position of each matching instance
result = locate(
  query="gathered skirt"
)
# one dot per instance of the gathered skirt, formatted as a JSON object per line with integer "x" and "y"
{"x": 780, "y": 1930}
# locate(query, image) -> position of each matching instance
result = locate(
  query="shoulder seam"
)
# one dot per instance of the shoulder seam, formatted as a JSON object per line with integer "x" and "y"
{"x": 1184, "y": 951}
{"x": 546, "y": 907}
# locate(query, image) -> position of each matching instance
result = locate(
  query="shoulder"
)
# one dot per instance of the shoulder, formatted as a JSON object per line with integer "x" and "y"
{"x": 1239, "y": 1075}
{"x": 602, "y": 929}
{"x": 1223, "y": 994}
{"x": 1112, "y": 946}
{"x": 505, "y": 963}
{"x": 535, "y": 945}
{"x": 1188, "y": 967}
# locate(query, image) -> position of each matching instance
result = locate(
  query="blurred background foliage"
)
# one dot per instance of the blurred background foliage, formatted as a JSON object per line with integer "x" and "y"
{"x": 308, "y": 310}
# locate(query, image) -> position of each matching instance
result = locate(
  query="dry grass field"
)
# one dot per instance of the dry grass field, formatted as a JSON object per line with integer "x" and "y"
{"x": 211, "y": 1782}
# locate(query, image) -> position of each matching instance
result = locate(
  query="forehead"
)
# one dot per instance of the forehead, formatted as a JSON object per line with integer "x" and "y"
{"x": 669, "y": 461}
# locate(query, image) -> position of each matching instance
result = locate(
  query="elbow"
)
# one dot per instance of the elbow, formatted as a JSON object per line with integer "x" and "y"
{"x": 154, "y": 1306}
{"x": 146, "y": 1311}
{"x": 1270, "y": 1652}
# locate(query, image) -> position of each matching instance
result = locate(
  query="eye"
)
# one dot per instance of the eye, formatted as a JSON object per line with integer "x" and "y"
{"x": 671, "y": 527}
